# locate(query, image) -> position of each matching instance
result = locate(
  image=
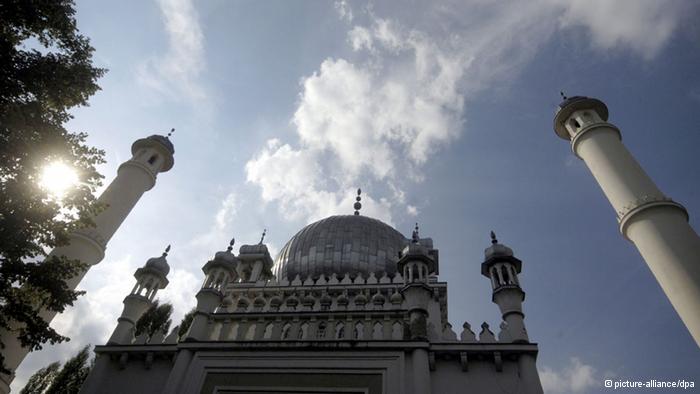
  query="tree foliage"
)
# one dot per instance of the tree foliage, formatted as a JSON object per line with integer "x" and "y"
{"x": 156, "y": 318}
{"x": 186, "y": 323}
{"x": 53, "y": 379}
{"x": 45, "y": 70}
{"x": 41, "y": 380}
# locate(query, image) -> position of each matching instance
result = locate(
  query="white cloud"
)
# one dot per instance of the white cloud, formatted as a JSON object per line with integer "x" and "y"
{"x": 412, "y": 210}
{"x": 177, "y": 72}
{"x": 227, "y": 211}
{"x": 641, "y": 25}
{"x": 576, "y": 377}
{"x": 344, "y": 10}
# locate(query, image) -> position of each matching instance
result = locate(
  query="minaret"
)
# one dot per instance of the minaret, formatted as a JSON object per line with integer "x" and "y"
{"x": 218, "y": 273}
{"x": 149, "y": 279}
{"x": 416, "y": 264}
{"x": 502, "y": 268}
{"x": 656, "y": 225}
{"x": 150, "y": 156}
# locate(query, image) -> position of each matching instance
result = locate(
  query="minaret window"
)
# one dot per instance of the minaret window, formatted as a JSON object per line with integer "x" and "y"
{"x": 378, "y": 331}
{"x": 250, "y": 334}
{"x": 152, "y": 159}
{"x": 359, "y": 327}
{"x": 268, "y": 331}
{"x": 303, "y": 331}
{"x": 396, "y": 331}
{"x": 233, "y": 333}
{"x": 321, "y": 330}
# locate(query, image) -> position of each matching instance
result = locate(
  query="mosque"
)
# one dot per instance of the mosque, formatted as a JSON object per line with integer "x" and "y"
{"x": 351, "y": 305}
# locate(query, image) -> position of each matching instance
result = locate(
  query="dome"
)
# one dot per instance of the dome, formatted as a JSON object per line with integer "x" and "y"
{"x": 341, "y": 244}
{"x": 159, "y": 264}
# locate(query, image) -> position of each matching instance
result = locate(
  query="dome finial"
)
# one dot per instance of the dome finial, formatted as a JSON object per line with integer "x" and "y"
{"x": 167, "y": 249}
{"x": 230, "y": 244}
{"x": 357, "y": 205}
{"x": 171, "y": 132}
{"x": 493, "y": 238}
{"x": 415, "y": 236}
{"x": 563, "y": 96}
{"x": 262, "y": 238}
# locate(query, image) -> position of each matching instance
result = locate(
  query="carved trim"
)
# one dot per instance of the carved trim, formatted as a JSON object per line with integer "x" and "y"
{"x": 625, "y": 219}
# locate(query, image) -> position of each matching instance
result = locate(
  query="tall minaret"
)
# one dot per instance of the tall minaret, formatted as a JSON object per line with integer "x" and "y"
{"x": 502, "y": 267}
{"x": 656, "y": 225}
{"x": 150, "y": 156}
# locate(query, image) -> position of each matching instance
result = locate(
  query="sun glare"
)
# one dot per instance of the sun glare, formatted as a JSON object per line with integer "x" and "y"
{"x": 57, "y": 178}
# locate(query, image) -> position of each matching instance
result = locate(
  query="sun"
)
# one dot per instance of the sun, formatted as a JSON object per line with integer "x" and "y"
{"x": 57, "y": 178}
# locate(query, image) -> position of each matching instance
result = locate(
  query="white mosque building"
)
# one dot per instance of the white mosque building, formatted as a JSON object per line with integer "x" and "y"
{"x": 351, "y": 305}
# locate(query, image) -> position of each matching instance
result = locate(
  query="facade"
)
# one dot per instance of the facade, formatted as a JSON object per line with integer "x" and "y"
{"x": 150, "y": 156}
{"x": 349, "y": 305}
{"x": 657, "y": 225}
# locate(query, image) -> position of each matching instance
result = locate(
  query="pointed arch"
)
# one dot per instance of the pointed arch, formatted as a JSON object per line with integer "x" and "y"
{"x": 268, "y": 331}
{"x": 340, "y": 330}
{"x": 286, "y": 330}
{"x": 378, "y": 331}
{"x": 358, "y": 331}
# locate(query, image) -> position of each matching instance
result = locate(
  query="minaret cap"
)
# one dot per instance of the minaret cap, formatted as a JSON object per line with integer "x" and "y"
{"x": 571, "y": 104}
{"x": 226, "y": 255}
{"x": 497, "y": 249}
{"x": 160, "y": 263}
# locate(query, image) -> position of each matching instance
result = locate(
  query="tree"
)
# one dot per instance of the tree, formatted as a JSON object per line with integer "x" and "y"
{"x": 156, "y": 318}
{"x": 41, "y": 380}
{"x": 186, "y": 323}
{"x": 45, "y": 70}
{"x": 74, "y": 372}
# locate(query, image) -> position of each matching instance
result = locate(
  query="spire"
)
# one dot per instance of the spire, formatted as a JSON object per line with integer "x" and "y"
{"x": 262, "y": 238}
{"x": 230, "y": 244}
{"x": 563, "y": 96}
{"x": 493, "y": 238}
{"x": 357, "y": 205}
{"x": 415, "y": 237}
{"x": 167, "y": 249}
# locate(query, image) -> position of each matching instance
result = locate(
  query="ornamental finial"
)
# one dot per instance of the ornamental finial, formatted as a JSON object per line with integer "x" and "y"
{"x": 357, "y": 205}
{"x": 415, "y": 236}
{"x": 262, "y": 238}
{"x": 167, "y": 249}
{"x": 171, "y": 132}
{"x": 493, "y": 238}
{"x": 563, "y": 96}
{"x": 230, "y": 244}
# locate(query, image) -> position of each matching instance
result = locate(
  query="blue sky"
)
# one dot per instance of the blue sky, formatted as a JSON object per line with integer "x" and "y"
{"x": 442, "y": 114}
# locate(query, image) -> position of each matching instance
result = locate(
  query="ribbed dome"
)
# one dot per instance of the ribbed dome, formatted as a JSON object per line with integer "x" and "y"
{"x": 341, "y": 244}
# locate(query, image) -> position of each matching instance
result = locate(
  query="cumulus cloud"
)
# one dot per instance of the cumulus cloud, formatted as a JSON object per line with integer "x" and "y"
{"x": 576, "y": 377}
{"x": 177, "y": 72}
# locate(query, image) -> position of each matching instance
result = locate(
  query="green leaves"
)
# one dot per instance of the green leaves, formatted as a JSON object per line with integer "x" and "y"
{"x": 46, "y": 69}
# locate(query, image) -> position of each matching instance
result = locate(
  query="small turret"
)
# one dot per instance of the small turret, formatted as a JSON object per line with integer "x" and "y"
{"x": 219, "y": 272}
{"x": 503, "y": 268}
{"x": 255, "y": 262}
{"x": 149, "y": 279}
{"x": 417, "y": 263}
